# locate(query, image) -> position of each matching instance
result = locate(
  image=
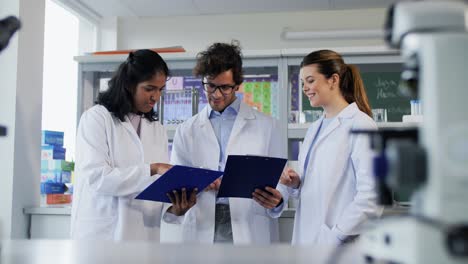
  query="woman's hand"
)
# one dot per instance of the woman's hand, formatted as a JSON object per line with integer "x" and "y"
{"x": 270, "y": 198}
{"x": 214, "y": 186}
{"x": 180, "y": 203}
{"x": 159, "y": 168}
{"x": 290, "y": 178}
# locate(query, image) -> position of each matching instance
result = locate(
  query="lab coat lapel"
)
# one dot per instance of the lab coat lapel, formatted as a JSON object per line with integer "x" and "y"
{"x": 245, "y": 114}
{"x": 128, "y": 126}
{"x": 347, "y": 112}
{"x": 307, "y": 141}
{"x": 208, "y": 135}
{"x": 332, "y": 126}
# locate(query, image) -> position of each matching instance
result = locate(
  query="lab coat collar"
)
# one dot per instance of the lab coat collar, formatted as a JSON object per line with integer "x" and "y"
{"x": 234, "y": 106}
{"x": 245, "y": 113}
{"x": 348, "y": 112}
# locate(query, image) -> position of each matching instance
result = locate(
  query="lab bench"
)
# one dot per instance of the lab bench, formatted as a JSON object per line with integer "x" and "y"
{"x": 54, "y": 222}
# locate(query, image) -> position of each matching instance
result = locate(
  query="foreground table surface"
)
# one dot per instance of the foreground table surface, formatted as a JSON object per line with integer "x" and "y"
{"x": 71, "y": 252}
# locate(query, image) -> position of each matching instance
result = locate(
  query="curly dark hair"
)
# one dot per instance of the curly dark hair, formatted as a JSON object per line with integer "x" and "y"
{"x": 218, "y": 58}
{"x": 140, "y": 66}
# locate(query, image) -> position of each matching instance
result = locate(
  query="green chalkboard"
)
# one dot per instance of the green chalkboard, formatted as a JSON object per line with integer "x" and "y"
{"x": 383, "y": 92}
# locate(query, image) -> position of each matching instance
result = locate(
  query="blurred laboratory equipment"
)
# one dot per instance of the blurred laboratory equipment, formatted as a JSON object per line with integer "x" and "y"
{"x": 293, "y": 117}
{"x": 416, "y": 108}
{"x": 312, "y": 115}
{"x": 430, "y": 160}
{"x": 379, "y": 114}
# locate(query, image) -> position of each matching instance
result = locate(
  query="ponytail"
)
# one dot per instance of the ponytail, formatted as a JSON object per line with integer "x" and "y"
{"x": 352, "y": 88}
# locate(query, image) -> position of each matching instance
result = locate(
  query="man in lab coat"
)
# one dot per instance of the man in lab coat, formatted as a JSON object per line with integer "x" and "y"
{"x": 225, "y": 127}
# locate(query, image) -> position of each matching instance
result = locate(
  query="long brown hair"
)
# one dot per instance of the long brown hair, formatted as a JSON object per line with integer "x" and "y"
{"x": 351, "y": 85}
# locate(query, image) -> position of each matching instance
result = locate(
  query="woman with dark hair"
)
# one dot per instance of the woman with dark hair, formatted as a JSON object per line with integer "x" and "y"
{"x": 120, "y": 148}
{"x": 334, "y": 182}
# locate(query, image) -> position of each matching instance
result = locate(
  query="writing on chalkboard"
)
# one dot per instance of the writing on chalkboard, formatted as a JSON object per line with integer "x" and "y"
{"x": 382, "y": 89}
{"x": 397, "y": 110}
{"x": 386, "y": 88}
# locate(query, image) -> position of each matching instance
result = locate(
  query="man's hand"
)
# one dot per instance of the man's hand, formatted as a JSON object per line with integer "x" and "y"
{"x": 180, "y": 203}
{"x": 214, "y": 186}
{"x": 270, "y": 198}
{"x": 290, "y": 178}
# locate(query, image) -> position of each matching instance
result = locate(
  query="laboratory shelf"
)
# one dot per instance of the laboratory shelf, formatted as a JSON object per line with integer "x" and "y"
{"x": 298, "y": 131}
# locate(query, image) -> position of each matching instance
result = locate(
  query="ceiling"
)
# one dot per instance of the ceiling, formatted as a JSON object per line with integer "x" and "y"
{"x": 99, "y": 9}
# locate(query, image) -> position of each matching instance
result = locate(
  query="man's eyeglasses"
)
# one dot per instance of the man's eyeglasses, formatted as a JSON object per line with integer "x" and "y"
{"x": 224, "y": 89}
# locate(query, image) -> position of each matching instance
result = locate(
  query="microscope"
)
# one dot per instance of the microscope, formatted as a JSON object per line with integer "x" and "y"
{"x": 431, "y": 160}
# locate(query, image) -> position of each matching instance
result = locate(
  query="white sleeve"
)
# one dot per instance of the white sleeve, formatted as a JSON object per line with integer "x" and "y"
{"x": 276, "y": 150}
{"x": 94, "y": 164}
{"x": 180, "y": 148}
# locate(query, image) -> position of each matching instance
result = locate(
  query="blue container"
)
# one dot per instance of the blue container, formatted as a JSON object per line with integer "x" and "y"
{"x": 51, "y": 176}
{"x": 52, "y": 138}
{"x": 59, "y": 153}
{"x": 52, "y": 187}
{"x": 65, "y": 177}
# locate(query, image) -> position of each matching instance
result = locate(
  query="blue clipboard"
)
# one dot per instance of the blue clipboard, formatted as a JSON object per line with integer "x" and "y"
{"x": 176, "y": 178}
{"x": 244, "y": 173}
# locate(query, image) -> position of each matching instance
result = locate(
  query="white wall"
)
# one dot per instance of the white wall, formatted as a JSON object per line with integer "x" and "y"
{"x": 20, "y": 108}
{"x": 107, "y": 34}
{"x": 87, "y": 37}
{"x": 255, "y": 31}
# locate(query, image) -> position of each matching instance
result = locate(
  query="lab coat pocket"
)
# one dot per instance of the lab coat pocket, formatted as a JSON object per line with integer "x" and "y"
{"x": 96, "y": 228}
{"x": 258, "y": 209}
{"x": 327, "y": 236}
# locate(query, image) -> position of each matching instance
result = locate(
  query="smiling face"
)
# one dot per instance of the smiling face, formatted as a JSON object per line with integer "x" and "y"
{"x": 148, "y": 93}
{"x": 317, "y": 88}
{"x": 217, "y": 100}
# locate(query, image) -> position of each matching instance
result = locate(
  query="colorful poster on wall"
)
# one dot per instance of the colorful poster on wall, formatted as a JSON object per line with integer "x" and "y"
{"x": 261, "y": 93}
{"x": 295, "y": 93}
{"x": 175, "y": 83}
{"x": 266, "y": 97}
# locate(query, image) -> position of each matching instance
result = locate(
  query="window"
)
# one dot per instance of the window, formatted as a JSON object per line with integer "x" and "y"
{"x": 61, "y": 44}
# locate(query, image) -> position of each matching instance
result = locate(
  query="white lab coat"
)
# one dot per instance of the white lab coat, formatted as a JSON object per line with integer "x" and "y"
{"x": 337, "y": 193}
{"x": 112, "y": 167}
{"x": 195, "y": 144}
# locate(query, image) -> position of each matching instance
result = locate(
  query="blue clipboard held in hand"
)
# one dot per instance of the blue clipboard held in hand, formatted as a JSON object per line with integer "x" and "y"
{"x": 176, "y": 178}
{"x": 244, "y": 173}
